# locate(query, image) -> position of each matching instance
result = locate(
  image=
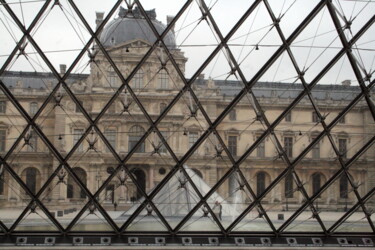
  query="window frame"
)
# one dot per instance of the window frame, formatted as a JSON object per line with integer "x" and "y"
{"x": 33, "y": 108}
{"x": 288, "y": 117}
{"x": 233, "y": 145}
{"x": 316, "y": 183}
{"x": 138, "y": 79}
{"x": 343, "y": 187}
{"x": 343, "y": 147}
{"x": 193, "y": 138}
{"x": 261, "y": 182}
{"x": 3, "y": 139}
{"x": 315, "y": 117}
{"x": 163, "y": 80}
{"x": 76, "y": 137}
{"x": 261, "y": 149}
{"x": 33, "y": 142}
{"x": 315, "y": 150}
{"x": 135, "y": 134}
{"x": 342, "y": 120}
{"x": 3, "y": 107}
{"x": 289, "y": 186}
{"x": 288, "y": 145}
{"x": 232, "y": 115}
{"x": 110, "y": 135}
{"x": 163, "y": 148}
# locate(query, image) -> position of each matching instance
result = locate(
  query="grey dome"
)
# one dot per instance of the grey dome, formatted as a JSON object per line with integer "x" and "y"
{"x": 126, "y": 29}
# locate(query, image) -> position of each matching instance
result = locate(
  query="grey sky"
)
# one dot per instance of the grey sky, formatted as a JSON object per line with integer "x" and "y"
{"x": 197, "y": 41}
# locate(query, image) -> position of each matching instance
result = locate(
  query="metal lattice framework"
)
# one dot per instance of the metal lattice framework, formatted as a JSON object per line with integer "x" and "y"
{"x": 66, "y": 160}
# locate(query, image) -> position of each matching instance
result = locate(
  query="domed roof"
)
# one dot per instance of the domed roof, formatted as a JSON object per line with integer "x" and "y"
{"x": 131, "y": 25}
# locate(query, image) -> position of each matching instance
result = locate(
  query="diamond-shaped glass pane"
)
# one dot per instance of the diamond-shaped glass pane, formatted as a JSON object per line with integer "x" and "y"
{"x": 187, "y": 117}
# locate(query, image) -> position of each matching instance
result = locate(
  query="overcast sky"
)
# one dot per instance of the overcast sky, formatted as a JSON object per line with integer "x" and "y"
{"x": 197, "y": 40}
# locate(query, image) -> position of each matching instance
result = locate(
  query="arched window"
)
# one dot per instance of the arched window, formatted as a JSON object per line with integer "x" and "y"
{"x": 135, "y": 134}
{"x": 31, "y": 177}
{"x": 163, "y": 79}
{"x": 261, "y": 182}
{"x": 289, "y": 186}
{"x": 138, "y": 79}
{"x": 33, "y": 108}
{"x": 343, "y": 187}
{"x": 73, "y": 189}
{"x": 316, "y": 182}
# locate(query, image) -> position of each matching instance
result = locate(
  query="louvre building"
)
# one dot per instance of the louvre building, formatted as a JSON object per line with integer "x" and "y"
{"x": 123, "y": 132}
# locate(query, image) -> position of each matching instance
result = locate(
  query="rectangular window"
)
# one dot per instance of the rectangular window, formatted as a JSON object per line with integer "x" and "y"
{"x": 162, "y": 148}
{"x": 138, "y": 80}
{"x": 3, "y": 106}
{"x": 2, "y": 140}
{"x": 163, "y": 79}
{"x": 112, "y": 109}
{"x": 77, "y": 108}
{"x": 133, "y": 140}
{"x": 288, "y": 117}
{"x": 342, "y": 120}
{"x": 33, "y": 108}
{"x": 261, "y": 148}
{"x": 76, "y": 136}
{"x": 113, "y": 80}
{"x": 315, "y": 117}
{"x": 33, "y": 142}
{"x": 288, "y": 146}
{"x": 288, "y": 189}
{"x": 232, "y": 145}
{"x": 193, "y": 137}
{"x": 110, "y": 135}
{"x": 315, "y": 150}
{"x": 232, "y": 115}
{"x": 342, "y": 147}
{"x": 2, "y": 184}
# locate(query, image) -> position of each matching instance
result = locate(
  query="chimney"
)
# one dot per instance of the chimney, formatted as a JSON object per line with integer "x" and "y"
{"x": 62, "y": 69}
{"x": 346, "y": 83}
{"x": 169, "y": 20}
{"x": 99, "y": 18}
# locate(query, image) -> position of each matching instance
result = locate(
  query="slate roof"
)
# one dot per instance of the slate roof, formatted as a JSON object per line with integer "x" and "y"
{"x": 133, "y": 26}
{"x": 37, "y": 80}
